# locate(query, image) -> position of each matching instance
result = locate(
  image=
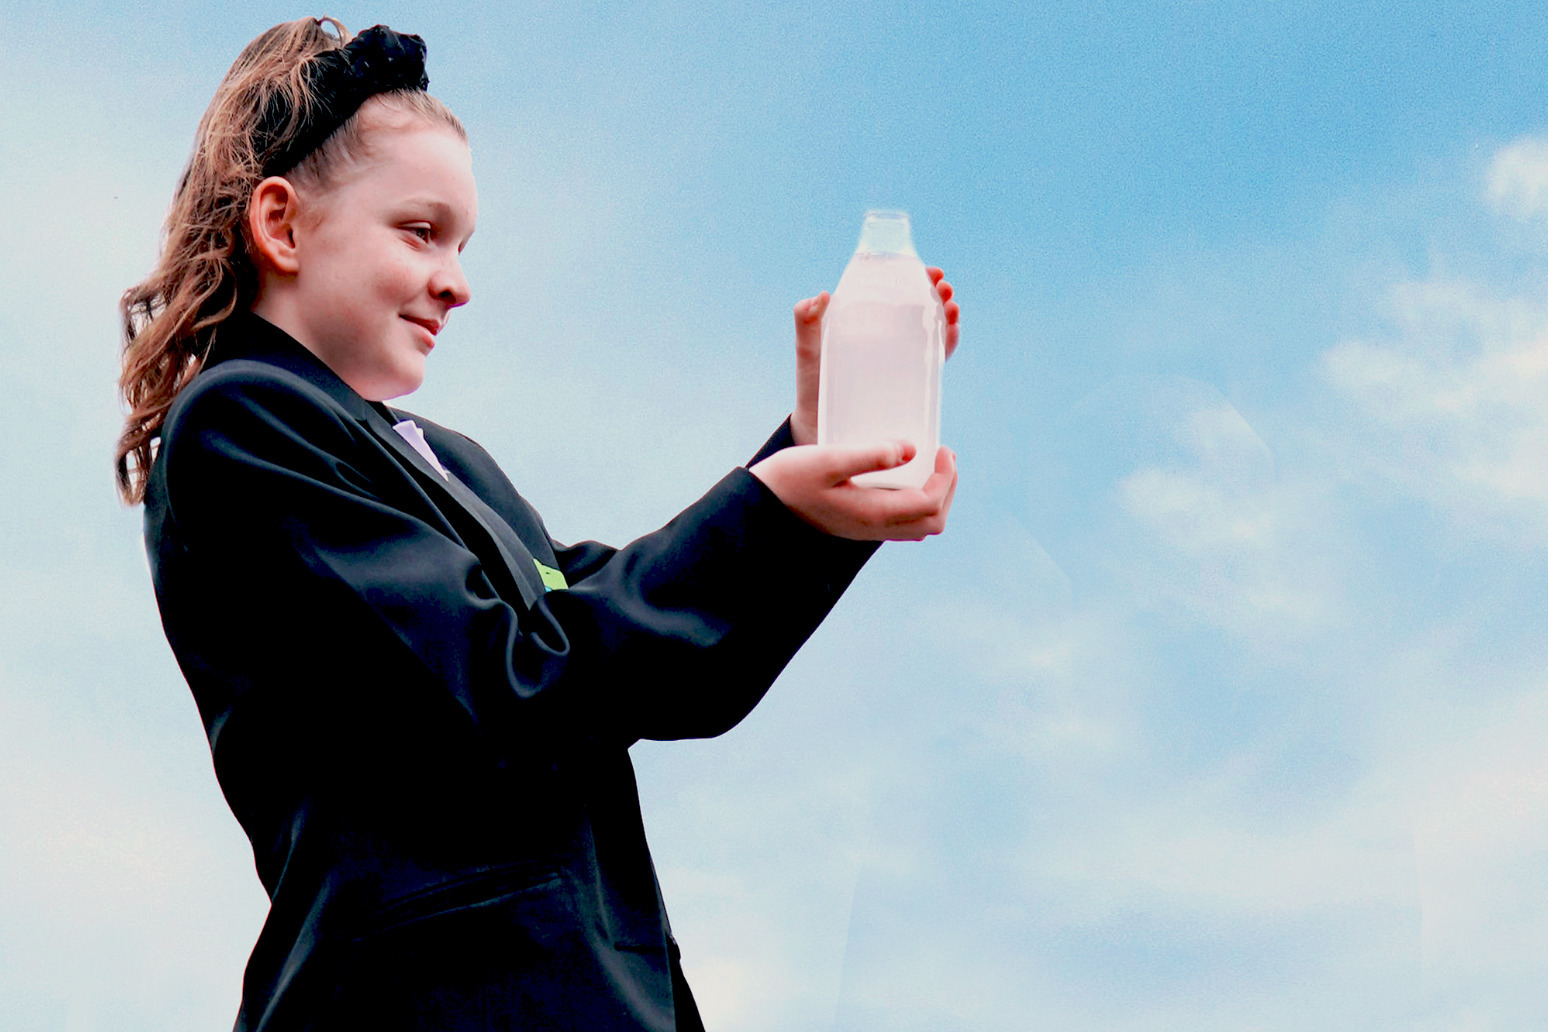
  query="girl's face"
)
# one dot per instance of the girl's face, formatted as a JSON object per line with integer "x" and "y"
{"x": 379, "y": 265}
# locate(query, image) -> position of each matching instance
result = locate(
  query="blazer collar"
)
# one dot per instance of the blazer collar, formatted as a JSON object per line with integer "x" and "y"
{"x": 254, "y": 338}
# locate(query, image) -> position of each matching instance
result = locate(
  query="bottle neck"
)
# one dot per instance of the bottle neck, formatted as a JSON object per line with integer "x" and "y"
{"x": 886, "y": 233}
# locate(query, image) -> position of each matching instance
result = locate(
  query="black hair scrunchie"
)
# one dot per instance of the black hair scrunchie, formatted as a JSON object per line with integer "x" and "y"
{"x": 377, "y": 60}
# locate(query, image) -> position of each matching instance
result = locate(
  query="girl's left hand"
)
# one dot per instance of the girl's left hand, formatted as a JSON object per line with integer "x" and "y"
{"x": 808, "y": 324}
{"x": 815, "y": 483}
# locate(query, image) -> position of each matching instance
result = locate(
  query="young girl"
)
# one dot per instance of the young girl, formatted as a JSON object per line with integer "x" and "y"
{"x": 419, "y": 705}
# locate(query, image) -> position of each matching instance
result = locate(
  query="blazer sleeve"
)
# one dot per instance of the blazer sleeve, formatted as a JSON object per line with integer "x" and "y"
{"x": 677, "y": 635}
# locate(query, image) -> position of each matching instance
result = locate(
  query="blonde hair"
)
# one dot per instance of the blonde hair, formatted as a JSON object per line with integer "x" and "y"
{"x": 205, "y": 274}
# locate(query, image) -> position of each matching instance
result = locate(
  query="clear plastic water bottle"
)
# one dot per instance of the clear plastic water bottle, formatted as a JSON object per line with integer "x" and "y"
{"x": 883, "y": 345}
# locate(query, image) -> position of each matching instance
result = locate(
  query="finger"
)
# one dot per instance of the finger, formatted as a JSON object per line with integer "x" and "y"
{"x": 808, "y": 324}
{"x": 844, "y": 462}
{"x": 953, "y": 312}
{"x": 934, "y": 272}
{"x": 937, "y": 489}
{"x": 951, "y": 492}
{"x": 811, "y": 309}
{"x": 909, "y": 504}
{"x": 945, "y": 290}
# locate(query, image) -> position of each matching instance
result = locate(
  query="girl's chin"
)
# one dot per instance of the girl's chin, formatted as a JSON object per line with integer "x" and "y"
{"x": 403, "y": 380}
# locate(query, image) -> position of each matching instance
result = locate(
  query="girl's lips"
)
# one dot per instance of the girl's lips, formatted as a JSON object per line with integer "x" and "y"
{"x": 430, "y": 326}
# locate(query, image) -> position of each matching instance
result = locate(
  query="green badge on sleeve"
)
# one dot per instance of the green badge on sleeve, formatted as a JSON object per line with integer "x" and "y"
{"x": 552, "y": 578}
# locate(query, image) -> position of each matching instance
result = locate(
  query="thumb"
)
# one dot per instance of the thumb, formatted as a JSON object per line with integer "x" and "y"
{"x": 851, "y": 460}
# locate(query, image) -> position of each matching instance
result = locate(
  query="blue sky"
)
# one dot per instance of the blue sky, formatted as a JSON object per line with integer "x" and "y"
{"x": 1220, "y": 705}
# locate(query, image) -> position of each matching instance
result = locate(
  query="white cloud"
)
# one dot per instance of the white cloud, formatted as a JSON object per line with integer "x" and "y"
{"x": 1517, "y": 181}
{"x": 1452, "y": 406}
{"x": 1222, "y": 537}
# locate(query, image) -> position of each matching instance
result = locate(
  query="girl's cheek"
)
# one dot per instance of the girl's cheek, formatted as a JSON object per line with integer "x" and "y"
{"x": 404, "y": 270}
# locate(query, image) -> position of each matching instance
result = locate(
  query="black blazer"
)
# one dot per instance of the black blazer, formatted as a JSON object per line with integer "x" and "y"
{"x": 428, "y": 751}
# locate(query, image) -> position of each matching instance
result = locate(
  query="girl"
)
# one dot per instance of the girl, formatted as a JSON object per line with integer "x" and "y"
{"x": 418, "y": 704}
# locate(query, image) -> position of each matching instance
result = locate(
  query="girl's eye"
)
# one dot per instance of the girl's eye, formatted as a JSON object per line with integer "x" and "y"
{"x": 422, "y": 232}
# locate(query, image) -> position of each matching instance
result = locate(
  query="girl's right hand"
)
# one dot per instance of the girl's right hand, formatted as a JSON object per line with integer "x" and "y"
{"x": 814, "y": 483}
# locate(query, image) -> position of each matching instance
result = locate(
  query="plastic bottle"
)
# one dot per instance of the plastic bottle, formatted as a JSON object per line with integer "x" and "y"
{"x": 883, "y": 345}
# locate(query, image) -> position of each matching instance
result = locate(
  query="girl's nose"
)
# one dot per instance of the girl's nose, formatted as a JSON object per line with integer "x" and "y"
{"x": 450, "y": 285}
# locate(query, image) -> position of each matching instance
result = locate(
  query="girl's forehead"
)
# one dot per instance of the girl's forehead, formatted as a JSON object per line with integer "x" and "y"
{"x": 419, "y": 152}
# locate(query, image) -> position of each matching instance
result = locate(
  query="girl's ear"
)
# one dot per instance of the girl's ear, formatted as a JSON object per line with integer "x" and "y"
{"x": 271, "y": 226}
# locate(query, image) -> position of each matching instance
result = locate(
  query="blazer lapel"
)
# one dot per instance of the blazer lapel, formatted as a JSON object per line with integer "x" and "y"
{"x": 512, "y": 554}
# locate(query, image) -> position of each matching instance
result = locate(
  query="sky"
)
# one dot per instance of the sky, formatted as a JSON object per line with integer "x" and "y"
{"x": 1220, "y": 705}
